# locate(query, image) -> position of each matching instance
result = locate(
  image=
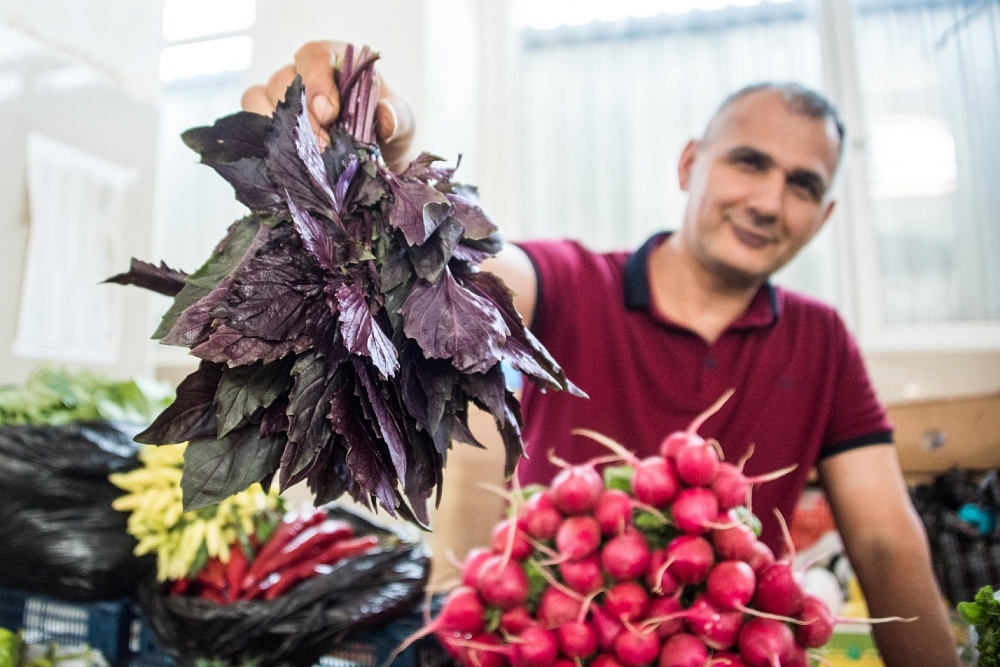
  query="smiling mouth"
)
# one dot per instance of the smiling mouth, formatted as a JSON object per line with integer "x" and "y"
{"x": 751, "y": 239}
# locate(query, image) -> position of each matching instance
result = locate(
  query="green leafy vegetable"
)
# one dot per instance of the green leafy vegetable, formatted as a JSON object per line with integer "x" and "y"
{"x": 984, "y": 613}
{"x": 344, "y": 325}
{"x": 59, "y": 396}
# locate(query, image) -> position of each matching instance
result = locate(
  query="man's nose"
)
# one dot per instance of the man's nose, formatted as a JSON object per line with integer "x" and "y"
{"x": 768, "y": 197}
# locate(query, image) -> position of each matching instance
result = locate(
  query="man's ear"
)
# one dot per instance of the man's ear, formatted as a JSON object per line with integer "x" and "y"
{"x": 685, "y": 163}
{"x": 832, "y": 204}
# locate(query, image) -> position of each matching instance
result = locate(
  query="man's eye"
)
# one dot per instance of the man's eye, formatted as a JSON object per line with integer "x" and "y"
{"x": 807, "y": 189}
{"x": 750, "y": 162}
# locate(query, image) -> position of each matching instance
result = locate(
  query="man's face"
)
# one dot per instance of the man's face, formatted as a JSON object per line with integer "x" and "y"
{"x": 759, "y": 187}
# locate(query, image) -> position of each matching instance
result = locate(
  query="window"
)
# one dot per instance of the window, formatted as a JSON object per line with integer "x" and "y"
{"x": 607, "y": 100}
{"x": 201, "y": 70}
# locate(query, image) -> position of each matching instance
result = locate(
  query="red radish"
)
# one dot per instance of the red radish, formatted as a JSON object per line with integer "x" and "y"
{"x": 679, "y": 439}
{"x": 626, "y": 556}
{"x": 583, "y": 575}
{"x": 556, "y": 607}
{"x": 541, "y": 516}
{"x": 606, "y": 626}
{"x": 695, "y": 510}
{"x": 715, "y": 627}
{"x": 663, "y": 612}
{"x": 731, "y": 584}
{"x": 513, "y": 621}
{"x": 697, "y": 464}
{"x": 485, "y": 650}
{"x": 474, "y": 560}
{"x": 654, "y": 482}
{"x": 690, "y": 558}
{"x": 578, "y": 537}
{"x": 519, "y": 544}
{"x": 462, "y": 613}
{"x": 633, "y": 648}
{"x": 683, "y": 650}
{"x": 732, "y": 486}
{"x": 727, "y": 659}
{"x": 605, "y": 660}
{"x": 818, "y": 623}
{"x": 577, "y": 639}
{"x": 762, "y": 557}
{"x": 659, "y": 580}
{"x": 576, "y": 489}
{"x": 626, "y": 601}
{"x": 735, "y": 541}
{"x": 502, "y": 584}
{"x": 778, "y": 590}
{"x": 765, "y": 642}
{"x": 535, "y": 647}
{"x": 613, "y": 511}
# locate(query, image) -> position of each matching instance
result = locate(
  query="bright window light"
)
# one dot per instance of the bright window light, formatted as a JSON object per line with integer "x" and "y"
{"x": 184, "y": 61}
{"x": 912, "y": 156}
{"x": 548, "y": 14}
{"x": 189, "y": 19}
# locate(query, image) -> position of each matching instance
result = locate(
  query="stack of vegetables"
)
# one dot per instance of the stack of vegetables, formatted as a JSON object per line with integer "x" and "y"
{"x": 648, "y": 561}
{"x": 244, "y": 548}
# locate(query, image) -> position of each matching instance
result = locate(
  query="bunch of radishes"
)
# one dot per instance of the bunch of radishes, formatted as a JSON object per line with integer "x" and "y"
{"x": 656, "y": 561}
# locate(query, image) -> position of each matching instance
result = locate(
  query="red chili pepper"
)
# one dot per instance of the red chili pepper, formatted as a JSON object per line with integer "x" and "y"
{"x": 306, "y": 545}
{"x": 235, "y": 569}
{"x": 213, "y": 575}
{"x": 179, "y": 586}
{"x": 306, "y": 570}
{"x": 292, "y": 524}
{"x": 212, "y": 594}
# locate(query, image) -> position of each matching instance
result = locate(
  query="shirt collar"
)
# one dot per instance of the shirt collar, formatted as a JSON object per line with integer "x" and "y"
{"x": 765, "y": 309}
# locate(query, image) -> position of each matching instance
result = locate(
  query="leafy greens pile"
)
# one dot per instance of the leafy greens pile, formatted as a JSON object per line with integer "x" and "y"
{"x": 343, "y": 326}
{"x": 984, "y": 613}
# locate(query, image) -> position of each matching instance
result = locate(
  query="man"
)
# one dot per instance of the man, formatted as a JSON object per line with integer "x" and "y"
{"x": 657, "y": 335}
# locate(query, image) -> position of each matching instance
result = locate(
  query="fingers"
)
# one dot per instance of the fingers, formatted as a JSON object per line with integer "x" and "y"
{"x": 314, "y": 61}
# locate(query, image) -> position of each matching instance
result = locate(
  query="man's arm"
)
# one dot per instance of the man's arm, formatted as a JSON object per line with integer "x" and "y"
{"x": 887, "y": 546}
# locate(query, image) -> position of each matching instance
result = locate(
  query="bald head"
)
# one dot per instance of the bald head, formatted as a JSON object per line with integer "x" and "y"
{"x": 797, "y": 99}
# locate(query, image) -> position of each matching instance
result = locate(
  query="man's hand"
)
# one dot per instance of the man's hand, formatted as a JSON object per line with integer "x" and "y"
{"x": 314, "y": 62}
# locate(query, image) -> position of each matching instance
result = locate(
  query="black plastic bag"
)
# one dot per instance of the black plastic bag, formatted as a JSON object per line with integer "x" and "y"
{"x": 59, "y": 535}
{"x": 965, "y": 556}
{"x": 307, "y": 621}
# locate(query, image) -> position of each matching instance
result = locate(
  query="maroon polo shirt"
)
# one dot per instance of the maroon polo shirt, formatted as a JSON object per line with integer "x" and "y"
{"x": 802, "y": 390}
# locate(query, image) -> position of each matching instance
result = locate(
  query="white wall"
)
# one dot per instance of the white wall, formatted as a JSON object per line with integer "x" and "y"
{"x": 70, "y": 72}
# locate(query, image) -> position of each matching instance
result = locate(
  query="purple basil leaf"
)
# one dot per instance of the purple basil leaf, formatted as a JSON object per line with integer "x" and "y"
{"x": 215, "y": 469}
{"x": 450, "y": 322}
{"x": 426, "y": 386}
{"x": 229, "y": 346}
{"x": 344, "y": 181}
{"x": 474, "y": 219}
{"x": 284, "y": 165}
{"x": 362, "y": 333}
{"x": 422, "y": 168}
{"x": 195, "y": 323}
{"x": 487, "y": 390}
{"x": 430, "y": 258}
{"x": 510, "y": 433}
{"x": 233, "y": 137}
{"x": 308, "y": 151}
{"x": 252, "y": 185}
{"x": 334, "y": 479}
{"x": 418, "y": 209}
{"x": 316, "y": 238}
{"x": 521, "y": 348}
{"x": 469, "y": 255}
{"x": 246, "y": 391}
{"x": 309, "y": 401}
{"x": 192, "y": 414}
{"x": 160, "y": 279}
{"x": 274, "y": 420}
{"x": 385, "y": 419}
{"x": 396, "y": 268}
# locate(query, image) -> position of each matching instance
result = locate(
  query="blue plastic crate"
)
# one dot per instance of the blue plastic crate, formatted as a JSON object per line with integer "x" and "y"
{"x": 105, "y": 626}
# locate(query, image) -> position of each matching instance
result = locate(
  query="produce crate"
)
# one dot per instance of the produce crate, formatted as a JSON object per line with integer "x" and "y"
{"x": 105, "y": 626}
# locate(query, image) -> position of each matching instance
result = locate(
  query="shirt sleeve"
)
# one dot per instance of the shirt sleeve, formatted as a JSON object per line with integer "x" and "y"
{"x": 858, "y": 418}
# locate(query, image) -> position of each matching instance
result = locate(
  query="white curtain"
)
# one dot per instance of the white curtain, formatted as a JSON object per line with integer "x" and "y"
{"x": 606, "y": 109}
{"x": 930, "y": 89}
